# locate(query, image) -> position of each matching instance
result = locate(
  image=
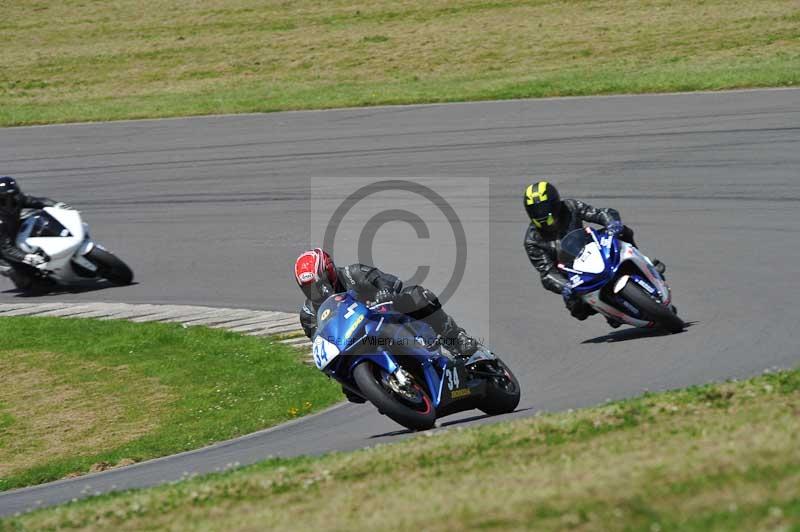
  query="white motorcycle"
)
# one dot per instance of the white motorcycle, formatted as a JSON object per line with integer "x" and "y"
{"x": 73, "y": 257}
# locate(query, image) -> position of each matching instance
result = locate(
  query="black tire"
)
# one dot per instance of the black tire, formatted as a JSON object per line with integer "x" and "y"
{"x": 110, "y": 267}
{"x": 502, "y": 392}
{"x": 662, "y": 315}
{"x": 389, "y": 404}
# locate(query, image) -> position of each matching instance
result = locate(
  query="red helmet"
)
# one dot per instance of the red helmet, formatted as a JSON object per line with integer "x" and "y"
{"x": 315, "y": 274}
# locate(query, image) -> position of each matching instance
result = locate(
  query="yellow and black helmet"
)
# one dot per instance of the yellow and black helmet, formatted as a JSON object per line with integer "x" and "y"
{"x": 543, "y": 204}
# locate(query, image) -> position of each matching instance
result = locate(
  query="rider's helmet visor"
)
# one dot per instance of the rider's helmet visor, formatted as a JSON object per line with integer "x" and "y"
{"x": 317, "y": 291}
{"x": 542, "y": 213}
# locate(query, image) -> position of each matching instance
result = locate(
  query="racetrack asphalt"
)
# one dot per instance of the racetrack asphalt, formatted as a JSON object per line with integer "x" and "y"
{"x": 212, "y": 211}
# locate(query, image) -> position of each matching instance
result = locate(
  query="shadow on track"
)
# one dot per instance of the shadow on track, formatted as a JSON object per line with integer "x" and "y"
{"x": 89, "y": 286}
{"x": 470, "y": 419}
{"x": 633, "y": 334}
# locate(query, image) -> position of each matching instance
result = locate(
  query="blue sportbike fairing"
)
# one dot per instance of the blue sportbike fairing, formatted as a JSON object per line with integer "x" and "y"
{"x": 599, "y": 265}
{"x": 349, "y": 332}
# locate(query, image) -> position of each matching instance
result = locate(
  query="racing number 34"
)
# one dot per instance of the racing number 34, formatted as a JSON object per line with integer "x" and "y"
{"x": 452, "y": 379}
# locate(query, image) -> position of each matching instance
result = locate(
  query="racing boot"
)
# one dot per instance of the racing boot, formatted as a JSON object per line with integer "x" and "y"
{"x": 659, "y": 266}
{"x": 613, "y": 323}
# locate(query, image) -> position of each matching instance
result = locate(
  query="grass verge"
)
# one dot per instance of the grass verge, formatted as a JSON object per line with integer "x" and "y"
{"x": 88, "y": 394}
{"x": 68, "y": 61}
{"x": 717, "y": 457}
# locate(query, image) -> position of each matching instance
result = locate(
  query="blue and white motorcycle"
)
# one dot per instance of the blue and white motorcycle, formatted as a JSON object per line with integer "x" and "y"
{"x": 617, "y": 280}
{"x": 396, "y": 363}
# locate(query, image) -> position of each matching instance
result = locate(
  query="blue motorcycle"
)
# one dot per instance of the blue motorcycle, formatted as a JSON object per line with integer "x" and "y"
{"x": 396, "y": 363}
{"x": 617, "y": 280}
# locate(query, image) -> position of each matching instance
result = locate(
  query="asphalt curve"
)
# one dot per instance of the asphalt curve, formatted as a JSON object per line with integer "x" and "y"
{"x": 212, "y": 211}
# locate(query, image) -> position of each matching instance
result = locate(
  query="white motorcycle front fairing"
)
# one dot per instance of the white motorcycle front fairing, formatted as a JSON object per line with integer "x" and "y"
{"x": 69, "y": 246}
{"x": 629, "y": 253}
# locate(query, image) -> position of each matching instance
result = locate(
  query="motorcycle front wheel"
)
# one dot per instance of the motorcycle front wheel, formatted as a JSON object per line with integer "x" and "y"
{"x": 110, "y": 267}
{"x": 659, "y": 313}
{"x": 415, "y": 413}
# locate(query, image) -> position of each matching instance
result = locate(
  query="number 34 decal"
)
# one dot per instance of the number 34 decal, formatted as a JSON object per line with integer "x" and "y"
{"x": 452, "y": 379}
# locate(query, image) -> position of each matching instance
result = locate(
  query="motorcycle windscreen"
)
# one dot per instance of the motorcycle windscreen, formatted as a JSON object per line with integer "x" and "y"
{"x": 42, "y": 225}
{"x": 580, "y": 252}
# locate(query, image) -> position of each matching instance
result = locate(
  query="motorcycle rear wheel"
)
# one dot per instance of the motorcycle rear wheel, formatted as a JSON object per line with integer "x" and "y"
{"x": 110, "y": 267}
{"x": 662, "y": 315}
{"x": 366, "y": 375}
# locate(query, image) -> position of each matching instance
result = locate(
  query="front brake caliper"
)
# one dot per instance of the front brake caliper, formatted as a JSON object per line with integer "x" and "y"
{"x": 401, "y": 383}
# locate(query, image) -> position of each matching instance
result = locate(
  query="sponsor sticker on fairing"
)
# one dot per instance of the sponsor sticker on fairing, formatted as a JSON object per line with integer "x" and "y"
{"x": 646, "y": 286}
{"x": 463, "y": 392}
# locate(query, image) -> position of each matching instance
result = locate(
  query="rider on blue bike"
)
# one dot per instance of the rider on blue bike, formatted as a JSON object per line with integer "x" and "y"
{"x": 319, "y": 278}
{"x": 551, "y": 219}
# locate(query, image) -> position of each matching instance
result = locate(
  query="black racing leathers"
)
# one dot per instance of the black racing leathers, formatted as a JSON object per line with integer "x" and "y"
{"x": 370, "y": 283}
{"x": 542, "y": 246}
{"x": 364, "y": 280}
{"x": 9, "y": 226}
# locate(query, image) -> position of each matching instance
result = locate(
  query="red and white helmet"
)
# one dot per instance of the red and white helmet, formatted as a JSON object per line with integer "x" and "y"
{"x": 315, "y": 274}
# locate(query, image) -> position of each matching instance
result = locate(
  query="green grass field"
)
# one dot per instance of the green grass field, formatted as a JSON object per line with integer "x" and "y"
{"x": 717, "y": 457}
{"x": 98, "y": 60}
{"x": 86, "y": 394}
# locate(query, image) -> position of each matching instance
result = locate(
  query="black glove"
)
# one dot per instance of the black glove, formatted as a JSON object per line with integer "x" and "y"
{"x": 615, "y": 228}
{"x": 576, "y": 306}
{"x": 384, "y": 295}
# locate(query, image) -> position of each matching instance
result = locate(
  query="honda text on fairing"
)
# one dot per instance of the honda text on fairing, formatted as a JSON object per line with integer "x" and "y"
{"x": 617, "y": 280}
{"x": 72, "y": 256}
{"x": 397, "y": 364}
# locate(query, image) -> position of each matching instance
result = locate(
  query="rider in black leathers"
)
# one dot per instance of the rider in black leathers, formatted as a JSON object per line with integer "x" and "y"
{"x": 315, "y": 267}
{"x": 551, "y": 219}
{"x": 15, "y": 263}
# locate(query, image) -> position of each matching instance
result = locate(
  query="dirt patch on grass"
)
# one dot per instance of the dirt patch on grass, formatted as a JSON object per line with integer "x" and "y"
{"x": 61, "y": 409}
